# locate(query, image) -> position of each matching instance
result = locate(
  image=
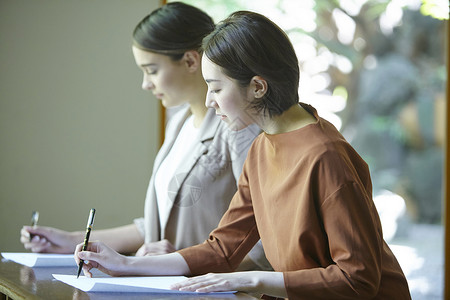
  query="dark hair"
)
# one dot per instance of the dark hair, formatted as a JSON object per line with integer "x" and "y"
{"x": 173, "y": 29}
{"x": 247, "y": 44}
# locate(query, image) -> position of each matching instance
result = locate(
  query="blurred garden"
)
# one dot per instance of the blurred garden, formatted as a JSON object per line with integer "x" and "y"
{"x": 376, "y": 69}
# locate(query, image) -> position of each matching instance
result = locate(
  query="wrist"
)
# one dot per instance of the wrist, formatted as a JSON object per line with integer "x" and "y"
{"x": 270, "y": 283}
{"x": 75, "y": 238}
{"x": 132, "y": 265}
{"x": 257, "y": 281}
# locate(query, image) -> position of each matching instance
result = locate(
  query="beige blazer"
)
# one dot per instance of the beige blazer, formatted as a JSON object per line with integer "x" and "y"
{"x": 203, "y": 186}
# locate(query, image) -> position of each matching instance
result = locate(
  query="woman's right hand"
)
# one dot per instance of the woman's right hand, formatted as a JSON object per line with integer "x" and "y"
{"x": 102, "y": 257}
{"x": 48, "y": 239}
{"x": 107, "y": 260}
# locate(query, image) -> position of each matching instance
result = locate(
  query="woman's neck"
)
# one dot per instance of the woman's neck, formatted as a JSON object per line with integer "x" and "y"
{"x": 294, "y": 118}
{"x": 199, "y": 113}
{"x": 197, "y": 102}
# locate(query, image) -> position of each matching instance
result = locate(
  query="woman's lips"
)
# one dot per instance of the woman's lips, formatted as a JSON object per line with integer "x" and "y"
{"x": 222, "y": 117}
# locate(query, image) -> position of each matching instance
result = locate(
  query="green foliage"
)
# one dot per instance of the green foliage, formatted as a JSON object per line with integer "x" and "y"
{"x": 437, "y": 9}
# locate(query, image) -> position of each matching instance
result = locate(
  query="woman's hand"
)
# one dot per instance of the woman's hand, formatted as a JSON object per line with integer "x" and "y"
{"x": 269, "y": 283}
{"x": 102, "y": 257}
{"x": 48, "y": 239}
{"x": 156, "y": 248}
{"x": 212, "y": 282}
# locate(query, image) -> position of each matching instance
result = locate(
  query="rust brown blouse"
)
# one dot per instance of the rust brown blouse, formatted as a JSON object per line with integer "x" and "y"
{"x": 308, "y": 195}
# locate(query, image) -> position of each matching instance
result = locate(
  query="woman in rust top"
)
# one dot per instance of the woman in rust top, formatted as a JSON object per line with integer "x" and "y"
{"x": 304, "y": 190}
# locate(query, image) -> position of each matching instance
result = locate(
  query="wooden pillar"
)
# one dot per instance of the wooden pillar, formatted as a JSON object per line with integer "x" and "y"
{"x": 447, "y": 180}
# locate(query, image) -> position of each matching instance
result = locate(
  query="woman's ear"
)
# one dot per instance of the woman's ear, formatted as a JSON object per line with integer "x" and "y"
{"x": 258, "y": 86}
{"x": 192, "y": 59}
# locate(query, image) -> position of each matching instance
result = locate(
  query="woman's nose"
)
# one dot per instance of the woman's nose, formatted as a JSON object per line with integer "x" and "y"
{"x": 147, "y": 84}
{"x": 209, "y": 102}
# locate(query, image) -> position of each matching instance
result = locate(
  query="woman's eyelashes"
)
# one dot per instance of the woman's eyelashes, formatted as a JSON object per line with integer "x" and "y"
{"x": 150, "y": 71}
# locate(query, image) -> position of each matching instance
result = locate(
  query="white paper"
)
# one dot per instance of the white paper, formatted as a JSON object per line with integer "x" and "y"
{"x": 135, "y": 284}
{"x": 41, "y": 259}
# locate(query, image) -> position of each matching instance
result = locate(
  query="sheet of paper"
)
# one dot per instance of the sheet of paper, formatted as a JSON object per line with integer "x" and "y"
{"x": 40, "y": 259}
{"x": 147, "y": 284}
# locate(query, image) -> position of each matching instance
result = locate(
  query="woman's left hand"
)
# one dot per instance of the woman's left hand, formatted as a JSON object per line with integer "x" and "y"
{"x": 217, "y": 282}
{"x": 263, "y": 282}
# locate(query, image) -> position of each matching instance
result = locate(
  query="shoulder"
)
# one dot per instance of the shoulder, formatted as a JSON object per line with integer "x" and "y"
{"x": 336, "y": 165}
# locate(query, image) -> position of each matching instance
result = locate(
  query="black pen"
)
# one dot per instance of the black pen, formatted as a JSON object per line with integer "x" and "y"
{"x": 34, "y": 220}
{"x": 86, "y": 238}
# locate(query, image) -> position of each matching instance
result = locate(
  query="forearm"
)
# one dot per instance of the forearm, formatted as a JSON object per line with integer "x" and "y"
{"x": 166, "y": 264}
{"x": 124, "y": 239}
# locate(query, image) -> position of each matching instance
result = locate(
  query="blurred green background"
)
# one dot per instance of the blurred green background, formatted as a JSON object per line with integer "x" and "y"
{"x": 376, "y": 69}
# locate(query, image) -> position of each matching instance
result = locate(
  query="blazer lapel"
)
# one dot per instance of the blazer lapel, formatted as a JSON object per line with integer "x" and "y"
{"x": 200, "y": 147}
{"x": 170, "y": 138}
{"x": 151, "y": 207}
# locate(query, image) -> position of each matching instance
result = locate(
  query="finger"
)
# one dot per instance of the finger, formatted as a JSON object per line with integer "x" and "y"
{"x": 206, "y": 283}
{"x": 141, "y": 252}
{"x": 42, "y": 240}
{"x": 211, "y": 286}
{"x": 36, "y": 244}
{"x": 76, "y": 252}
{"x": 87, "y": 270}
{"x": 186, "y": 285}
{"x": 36, "y": 249}
{"x": 24, "y": 239}
{"x": 38, "y": 241}
{"x": 40, "y": 247}
{"x": 78, "y": 247}
{"x": 46, "y": 247}
{"x": 87, "y": 273}
{"x": 27, "y": 243}
{"x": 39, "y": 244}
{"x": 88, "y": 256}
{"x": 32, "y": 230}
{"x": 85, "y": 255}
{"x": 93, "y": 246}
{"x": 24, "y": 232}
{"x": 194, "y": 287}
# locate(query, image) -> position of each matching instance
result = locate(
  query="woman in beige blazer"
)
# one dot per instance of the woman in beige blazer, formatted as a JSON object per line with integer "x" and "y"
{"x": 196, "y": 170}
